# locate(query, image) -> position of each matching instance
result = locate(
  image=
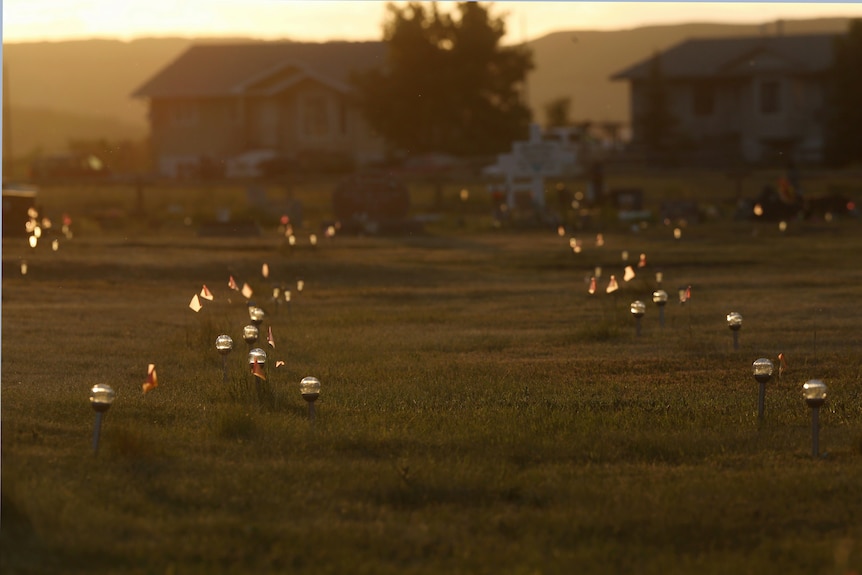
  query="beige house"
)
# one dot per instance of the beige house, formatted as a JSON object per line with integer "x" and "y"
{"x": 757, "y": 98}
{"x": 292, "y": 100}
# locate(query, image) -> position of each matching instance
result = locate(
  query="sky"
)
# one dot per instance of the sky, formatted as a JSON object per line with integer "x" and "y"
{"x": 39, "y": 20}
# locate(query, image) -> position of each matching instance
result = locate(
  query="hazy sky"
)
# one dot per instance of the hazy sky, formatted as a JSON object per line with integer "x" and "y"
{"x": 33, "y": 20}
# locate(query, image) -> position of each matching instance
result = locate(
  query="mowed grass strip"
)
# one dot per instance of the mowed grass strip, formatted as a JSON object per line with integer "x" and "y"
{"x": 480, "y": 412}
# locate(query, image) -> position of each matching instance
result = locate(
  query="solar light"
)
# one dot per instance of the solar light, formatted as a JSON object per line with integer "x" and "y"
{"x": 256, "y": 315}
{"x": 250, "y": 333}
{"x": 659, "y": 297}
{"x": 101, "y": 398}
{"x": 814, "y": 391}
{"x": 638, "y": 309}
{"x": 258, "y": 356}
{"x": 762, "y": 369}
{"x": 224, "y": 345}
{"x": 309, "y": 387}
{"x": 734, "y": 322}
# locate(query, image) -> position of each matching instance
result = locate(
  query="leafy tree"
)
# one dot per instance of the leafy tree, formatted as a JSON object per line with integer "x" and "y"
{"x": 843, "y": 122}
{"x": 557, "y": 112}
{"x": 448, "y": 85}
{"x": 655, "y": 122}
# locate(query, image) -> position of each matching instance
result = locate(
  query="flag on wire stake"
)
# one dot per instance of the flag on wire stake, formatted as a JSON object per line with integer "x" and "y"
{"x": 246, "y": 291}
{"x": 206, "y": 293}
{"x": 612, "y": 285}
{"x": 629, "y": 274}
{"x": 195, "y": 304}
{"x": 269, "y": 338}
{"x": 257, "y": 371}
{"x": 592, "y": 289}
{"x": 152, "y": 381}
{"x": 231, "y": 283}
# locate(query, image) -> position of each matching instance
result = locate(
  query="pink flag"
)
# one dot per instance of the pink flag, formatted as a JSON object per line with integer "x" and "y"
{"x": 206, "y": 293}
{"x": 232, "y": 284}
{"x": 592, "y": 289}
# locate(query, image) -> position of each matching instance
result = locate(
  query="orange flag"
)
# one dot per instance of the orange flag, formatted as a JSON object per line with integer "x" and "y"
{"x": 642, "y": 261}
{"x": 782, "y": 364}
{"x": 257, "y": 371}
{"x": 152, "y": 379}
{"x": 688, "y": 293}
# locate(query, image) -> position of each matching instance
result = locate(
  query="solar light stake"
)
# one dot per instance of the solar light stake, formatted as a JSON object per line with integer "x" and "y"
{"x": 659, "y": 297}
{"x": 224, "y": 345}
{"x": 814, "y": 391}
{"x": 256, "y": 315}
{"x": 734, "y": 322}
{"x": 250, "y": 334}
{"x": 638, "y": 309}
{"x": 309, "y": 387}
{"x": 101, "y": 398}
{"x": 762, "y": 374}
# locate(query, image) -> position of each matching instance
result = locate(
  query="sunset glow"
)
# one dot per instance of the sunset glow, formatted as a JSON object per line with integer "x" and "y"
{"x": 37, "y": 20}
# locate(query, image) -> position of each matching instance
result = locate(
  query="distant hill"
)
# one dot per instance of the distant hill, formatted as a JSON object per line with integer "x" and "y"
{"x": 80, "y": 89}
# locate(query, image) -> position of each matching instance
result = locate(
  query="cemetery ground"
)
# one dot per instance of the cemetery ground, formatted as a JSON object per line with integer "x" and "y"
{"x": 480, "y": 412}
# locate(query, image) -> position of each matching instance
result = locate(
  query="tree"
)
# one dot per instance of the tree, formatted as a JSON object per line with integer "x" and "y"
{"x": 843, "y": 122}
{"x": 655, "y": 123}
{"x": 557, "y": 112}
{"x": 448, "y": 85}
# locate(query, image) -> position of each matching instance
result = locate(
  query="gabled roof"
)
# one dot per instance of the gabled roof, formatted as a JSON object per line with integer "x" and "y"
{"x": 207, "y": 70}
{"x": 717, "y": 57}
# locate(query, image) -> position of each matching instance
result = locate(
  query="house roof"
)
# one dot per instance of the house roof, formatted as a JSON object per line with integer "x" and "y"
{"x": 716, "y": 57}
{"x": 206, "y": 70}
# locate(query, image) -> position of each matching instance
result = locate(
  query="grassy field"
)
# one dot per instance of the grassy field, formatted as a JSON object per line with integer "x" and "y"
{"x": 480, "y": 412}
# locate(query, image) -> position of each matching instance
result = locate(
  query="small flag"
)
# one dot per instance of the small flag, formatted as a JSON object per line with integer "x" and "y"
{"x": 592, "y": 289}
{"x": 782, "y": 364}
{"x": 232, "y": 284}
{"x": 688, "y": 293}
{"x": 246, "y": 291}
{"x": 257, "y": 371}
{"x": 264, "y": 270}
{"x": 612, "y": 285}
{"x": 152, "y": 379}
{"x": 630, "y": 274}
{"x": 279, "y": 363}
{"x": 206, "y": 293}
{"x": 642, "y": 261}
{"x": 269, "y": 337}
{"x": 195, "y": 304}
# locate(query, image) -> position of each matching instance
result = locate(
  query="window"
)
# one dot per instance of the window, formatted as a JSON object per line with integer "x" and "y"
{"x": 770, "y": 97}
{"x": 703, "y": 100}
{"x": 315, "y": 120}
{"x": 184, "y": 113}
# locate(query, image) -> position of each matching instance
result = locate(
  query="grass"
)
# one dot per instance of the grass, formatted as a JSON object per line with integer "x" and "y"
{"x": 479, "y": 411}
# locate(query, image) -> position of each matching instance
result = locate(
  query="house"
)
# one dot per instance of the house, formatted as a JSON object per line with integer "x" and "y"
{"x": 294, "y": 100}
{"x": 760, "y": 99}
